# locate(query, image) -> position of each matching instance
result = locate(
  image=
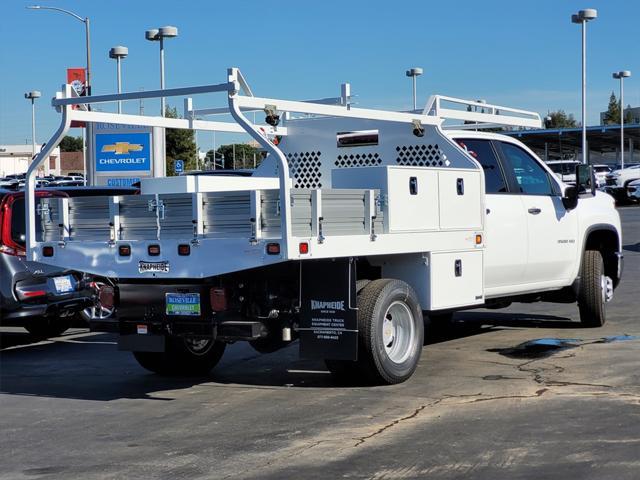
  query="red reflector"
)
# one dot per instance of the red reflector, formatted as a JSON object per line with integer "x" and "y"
{"x": 124, "y": 250}
{"x": 273, "y": 248}
{"x": 154, "y": 250}
{"x": 303, "y": 247}
{"x": 47, "y": 251}
{"x": 218, "y": 297}
{"x": 34, "y": 293}
{"x": 184, "y": 250}
{"x": 106, "y": 296}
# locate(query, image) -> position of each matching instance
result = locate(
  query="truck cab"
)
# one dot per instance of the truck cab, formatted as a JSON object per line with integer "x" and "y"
{"x": 535, "y": 239}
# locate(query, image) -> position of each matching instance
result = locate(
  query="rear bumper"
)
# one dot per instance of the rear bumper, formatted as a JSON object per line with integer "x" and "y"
{"x": 68, "y": 306}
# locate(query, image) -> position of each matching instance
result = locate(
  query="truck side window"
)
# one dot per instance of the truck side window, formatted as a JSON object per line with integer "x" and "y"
{"x": 531, "y": 177}
{"x": 483, "y": 152}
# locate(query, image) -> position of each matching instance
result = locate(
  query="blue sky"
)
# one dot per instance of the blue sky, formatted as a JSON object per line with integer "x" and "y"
{"x": 516, "y": 53}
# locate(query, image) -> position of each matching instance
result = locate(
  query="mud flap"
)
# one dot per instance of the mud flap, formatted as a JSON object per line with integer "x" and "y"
{"x": 328, "y": 311}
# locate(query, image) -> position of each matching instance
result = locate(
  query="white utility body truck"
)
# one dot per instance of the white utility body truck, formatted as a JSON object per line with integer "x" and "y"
{"x": 358, "y": 225}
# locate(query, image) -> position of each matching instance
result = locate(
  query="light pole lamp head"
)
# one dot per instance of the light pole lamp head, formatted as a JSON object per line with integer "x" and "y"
{"x": 118, "y": 52}
{"x": 624, "y": 74}
{"x": 414, "y": 72}
{"x": 152, "y": 35}
{"x": 588, "y": 14}
{"x": 168, "y": 31}
{"x": 32, "y": 95}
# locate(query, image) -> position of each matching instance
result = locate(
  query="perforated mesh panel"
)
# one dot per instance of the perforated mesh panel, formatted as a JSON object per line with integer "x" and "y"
{"x": 304, "y": 168}
{"x": 358, "y": 160}
{"x": 421, "y": 156}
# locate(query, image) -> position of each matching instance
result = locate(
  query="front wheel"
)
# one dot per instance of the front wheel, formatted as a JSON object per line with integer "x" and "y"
{"x": 596, "y": 289}
{"x": 183, "y": 356}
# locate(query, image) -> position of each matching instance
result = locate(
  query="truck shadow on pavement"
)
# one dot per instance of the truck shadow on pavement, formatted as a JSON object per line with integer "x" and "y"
{"x": 88, "y": 366}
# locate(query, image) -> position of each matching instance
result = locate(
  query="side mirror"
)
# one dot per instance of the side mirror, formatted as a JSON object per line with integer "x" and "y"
{"x": 585, "y": 179}
{"x": 570, "y": 197}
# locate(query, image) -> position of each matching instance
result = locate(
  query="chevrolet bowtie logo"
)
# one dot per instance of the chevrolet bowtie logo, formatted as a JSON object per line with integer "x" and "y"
{"x": 122, "y": 148}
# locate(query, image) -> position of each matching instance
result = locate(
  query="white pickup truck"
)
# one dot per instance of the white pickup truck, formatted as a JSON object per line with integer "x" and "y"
{"x": 358, "y": 226}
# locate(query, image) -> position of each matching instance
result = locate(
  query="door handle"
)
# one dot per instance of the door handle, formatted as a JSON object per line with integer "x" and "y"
{"x": 534, "y": 211}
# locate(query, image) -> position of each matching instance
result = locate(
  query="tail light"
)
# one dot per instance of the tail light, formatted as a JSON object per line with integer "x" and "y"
{"x": 124, "y": 250}
{"x": 106, "y": 296}
{"x": 47, "y": 251}
{"x": 218, "y": 297}
{"x": 184, "y": 249}
{"x": 273, "y": 248}
{"x": 154, "y": 250}
{"x": 30, "y": 291}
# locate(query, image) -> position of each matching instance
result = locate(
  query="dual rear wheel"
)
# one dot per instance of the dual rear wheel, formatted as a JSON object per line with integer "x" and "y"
{"x": 390, "y": 334}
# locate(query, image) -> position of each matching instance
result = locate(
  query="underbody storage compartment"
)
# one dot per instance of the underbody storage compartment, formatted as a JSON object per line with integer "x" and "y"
{"x": 442, "y": 280}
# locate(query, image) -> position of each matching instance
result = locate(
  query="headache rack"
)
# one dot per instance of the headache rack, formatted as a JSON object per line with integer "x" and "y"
{"x": 340, "y": 181}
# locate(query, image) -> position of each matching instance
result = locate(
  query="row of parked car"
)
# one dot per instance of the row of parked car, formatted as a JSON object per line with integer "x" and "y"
{"x": 46, "y": 300}
{"x": 17, "y": 181}
{"x": 621, "y": 183}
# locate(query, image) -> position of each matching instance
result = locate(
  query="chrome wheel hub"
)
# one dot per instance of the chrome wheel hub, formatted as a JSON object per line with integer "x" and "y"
{"x": 398, "y": 332}
{"x": 198, "y": 346}
{"x": 606, "y": 285}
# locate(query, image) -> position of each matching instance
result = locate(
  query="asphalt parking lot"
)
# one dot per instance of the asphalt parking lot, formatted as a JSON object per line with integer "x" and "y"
{"x": 481, "y": 405}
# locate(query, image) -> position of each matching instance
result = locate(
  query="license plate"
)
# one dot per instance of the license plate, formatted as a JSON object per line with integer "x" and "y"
{"x": 161, "y": 267}
{"x": 183, "y": 304}
{"x": 63, "y": 284}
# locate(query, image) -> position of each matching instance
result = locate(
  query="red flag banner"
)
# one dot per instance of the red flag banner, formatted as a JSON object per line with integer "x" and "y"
{"x": 77, "y": 77}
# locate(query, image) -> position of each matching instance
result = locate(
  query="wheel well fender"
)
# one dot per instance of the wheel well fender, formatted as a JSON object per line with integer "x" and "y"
{"x": 606, "y": 240}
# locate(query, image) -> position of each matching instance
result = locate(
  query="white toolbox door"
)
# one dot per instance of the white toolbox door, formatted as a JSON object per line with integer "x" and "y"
{"x": 456, "y": 279}
{"x": 460, "y": 200}
{"x": 413, "y": 199}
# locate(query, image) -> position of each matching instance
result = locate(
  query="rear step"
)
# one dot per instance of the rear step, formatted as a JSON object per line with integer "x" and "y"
{"x": 240, "y": 330}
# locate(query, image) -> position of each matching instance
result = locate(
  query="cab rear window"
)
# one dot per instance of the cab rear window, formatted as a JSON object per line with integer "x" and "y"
{"x": 18, "y": 231}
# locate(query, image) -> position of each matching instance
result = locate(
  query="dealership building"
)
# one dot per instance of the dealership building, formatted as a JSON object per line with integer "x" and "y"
{"x": 15, "y": 159}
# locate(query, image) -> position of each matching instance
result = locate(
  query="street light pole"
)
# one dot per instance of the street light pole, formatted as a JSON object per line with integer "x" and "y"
{"x": 158, "y": 35}
{"x": 622, "y": 75}
{"x": 87, "y": 141}
{"x": 118, "y": 53}
{"x": 87, "y": 35}
{"x": 582, "y": 17}
{"x": 32, "y": 96}
{"x": 414, "y": 73}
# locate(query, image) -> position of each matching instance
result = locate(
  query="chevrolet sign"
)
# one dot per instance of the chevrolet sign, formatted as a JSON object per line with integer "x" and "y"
{"x": 123, "y": 152}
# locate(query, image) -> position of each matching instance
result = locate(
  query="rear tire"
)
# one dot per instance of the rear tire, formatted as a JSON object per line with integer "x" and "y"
{"x": 390, "y": 334}
{"x": 183, "y": 357}
{"x": 593, "y": 290}
{"x": 43, "y": 328}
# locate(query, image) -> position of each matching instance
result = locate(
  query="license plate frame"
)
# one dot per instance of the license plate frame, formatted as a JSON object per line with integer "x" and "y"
{"x": 63, "y": 284}
{"x": 183, "y": 304}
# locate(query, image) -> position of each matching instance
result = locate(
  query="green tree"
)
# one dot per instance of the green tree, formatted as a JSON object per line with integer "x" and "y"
{"x": 612, "y": 115}
{"x": 628, "y": 117}
{"x": 559, "y": 119}
{"x": 180, "y": 145}
{"x": 244, "y": 155}
{"x": 71, "y": 144}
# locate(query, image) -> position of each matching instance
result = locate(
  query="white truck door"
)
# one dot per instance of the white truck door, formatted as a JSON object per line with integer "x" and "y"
{"x": 551, "y": 228}
{"x": 506, "y": 225}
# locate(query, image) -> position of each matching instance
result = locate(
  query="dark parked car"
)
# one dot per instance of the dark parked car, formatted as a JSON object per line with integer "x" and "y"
{"x": 41, "y": 298}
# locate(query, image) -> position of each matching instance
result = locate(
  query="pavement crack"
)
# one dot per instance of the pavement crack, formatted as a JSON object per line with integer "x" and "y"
{"x": 537, "y": 394}
{"x": 416, "y": 412}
